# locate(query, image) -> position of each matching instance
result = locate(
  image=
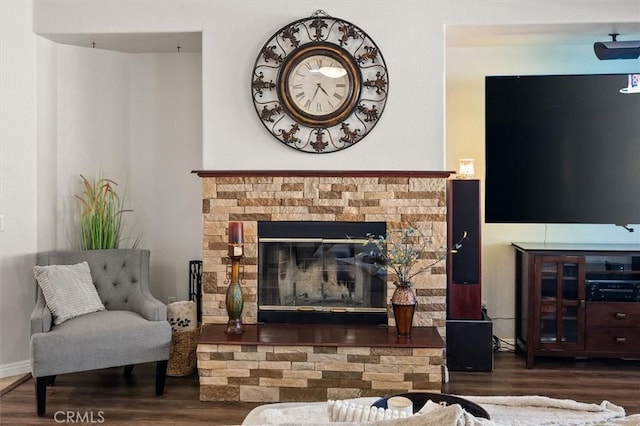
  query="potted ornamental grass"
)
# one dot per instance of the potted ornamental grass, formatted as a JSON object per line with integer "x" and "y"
{"x": 401, "y": 252}
{"x": 101, "y": 214}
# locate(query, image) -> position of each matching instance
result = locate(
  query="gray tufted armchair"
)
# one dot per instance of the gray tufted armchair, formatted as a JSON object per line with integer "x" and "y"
{"x": 132, "y": 330}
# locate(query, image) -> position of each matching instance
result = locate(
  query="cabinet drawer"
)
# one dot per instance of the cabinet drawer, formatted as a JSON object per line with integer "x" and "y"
{"x": 613, "y": 339}
{"x": 613, "y": 314}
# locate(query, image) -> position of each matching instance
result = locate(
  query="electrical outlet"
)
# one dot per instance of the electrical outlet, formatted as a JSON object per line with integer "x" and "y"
{"x": 171, "y": 299}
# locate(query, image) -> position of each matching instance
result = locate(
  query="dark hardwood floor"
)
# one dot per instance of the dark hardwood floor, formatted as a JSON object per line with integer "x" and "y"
{"x": 105, "y": 396}
{"x": 591, "y": 381}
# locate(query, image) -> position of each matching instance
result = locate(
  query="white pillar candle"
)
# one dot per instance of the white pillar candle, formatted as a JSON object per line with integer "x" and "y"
{"x": 401, "y": 404}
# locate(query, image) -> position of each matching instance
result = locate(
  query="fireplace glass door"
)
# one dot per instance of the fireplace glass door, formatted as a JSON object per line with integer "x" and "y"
{"x": 316, "y": 279}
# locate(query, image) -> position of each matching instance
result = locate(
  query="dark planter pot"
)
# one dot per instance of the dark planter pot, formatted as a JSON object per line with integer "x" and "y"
{"x": 404, "y": 303}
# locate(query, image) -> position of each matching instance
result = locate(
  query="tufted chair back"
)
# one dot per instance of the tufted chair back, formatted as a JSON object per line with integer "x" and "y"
{"x": 121, "y": 276}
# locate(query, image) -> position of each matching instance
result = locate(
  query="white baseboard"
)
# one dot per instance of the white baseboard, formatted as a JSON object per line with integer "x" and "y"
{"x": 15, "y": 368}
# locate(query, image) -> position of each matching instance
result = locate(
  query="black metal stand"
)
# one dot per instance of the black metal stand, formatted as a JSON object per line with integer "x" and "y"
{"x": 195, "y": 285}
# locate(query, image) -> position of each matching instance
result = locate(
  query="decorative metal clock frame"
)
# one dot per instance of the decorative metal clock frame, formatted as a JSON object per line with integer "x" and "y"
{"x": 319, "y": 84}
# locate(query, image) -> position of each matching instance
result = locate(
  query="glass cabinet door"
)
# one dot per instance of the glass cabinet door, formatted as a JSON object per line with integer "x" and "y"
{"x": 560, "y": 286}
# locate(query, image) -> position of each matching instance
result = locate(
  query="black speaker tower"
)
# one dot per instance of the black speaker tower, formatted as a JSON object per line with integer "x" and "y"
{"x": 469, "y": 330}
{"x": 463, "y": 278}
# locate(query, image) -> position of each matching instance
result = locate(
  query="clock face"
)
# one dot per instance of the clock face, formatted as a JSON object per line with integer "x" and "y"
{"x": 319, "y": 84}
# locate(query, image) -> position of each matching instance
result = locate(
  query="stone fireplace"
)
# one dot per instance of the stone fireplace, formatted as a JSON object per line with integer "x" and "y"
{"x": 256, "y": 198}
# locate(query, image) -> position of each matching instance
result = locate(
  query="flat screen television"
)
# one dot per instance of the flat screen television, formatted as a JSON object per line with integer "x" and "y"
{"x": 562, "y": 149}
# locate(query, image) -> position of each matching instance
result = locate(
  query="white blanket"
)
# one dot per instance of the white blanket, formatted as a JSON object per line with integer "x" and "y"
{"x": 511, "y": 410}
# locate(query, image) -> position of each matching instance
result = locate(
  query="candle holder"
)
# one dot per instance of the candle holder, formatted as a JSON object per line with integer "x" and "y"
{"x": 466, "y": 168}
{"x": 235, "y": 300}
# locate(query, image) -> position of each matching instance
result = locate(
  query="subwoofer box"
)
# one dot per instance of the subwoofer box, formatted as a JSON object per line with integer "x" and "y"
{"x": 470, "y": 345}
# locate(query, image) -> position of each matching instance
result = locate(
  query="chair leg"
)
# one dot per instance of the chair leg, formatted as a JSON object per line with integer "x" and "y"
{"x": 128, "y": 369}
{"x": 161, "y": 375}
{"x": 41, "y": 393}
{"x": 51, "y": 380}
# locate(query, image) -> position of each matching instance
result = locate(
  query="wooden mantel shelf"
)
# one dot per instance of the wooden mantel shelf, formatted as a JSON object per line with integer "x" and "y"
{"x": 321, "y": 335}
{"x": 324, "y": 173}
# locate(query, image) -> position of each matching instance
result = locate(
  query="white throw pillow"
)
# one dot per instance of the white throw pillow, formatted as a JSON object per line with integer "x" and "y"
{"x": 68, "y": 290}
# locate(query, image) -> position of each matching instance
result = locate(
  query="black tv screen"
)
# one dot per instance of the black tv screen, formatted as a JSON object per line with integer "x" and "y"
{"x": 562, "y": 149}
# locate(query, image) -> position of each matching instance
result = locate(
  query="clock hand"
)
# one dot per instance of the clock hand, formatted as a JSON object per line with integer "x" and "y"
{"x": 324, "y": 91}
{"x": 316, "y": 92}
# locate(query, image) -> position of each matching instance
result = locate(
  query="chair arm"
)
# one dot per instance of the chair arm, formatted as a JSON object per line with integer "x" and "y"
{"x": 148, "y": 306}
{"x": 41, "y": 318}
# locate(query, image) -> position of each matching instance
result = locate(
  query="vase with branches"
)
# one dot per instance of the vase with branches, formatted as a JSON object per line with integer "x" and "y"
{"x": 101, "y": 215}
{"x": 403, "y": 251}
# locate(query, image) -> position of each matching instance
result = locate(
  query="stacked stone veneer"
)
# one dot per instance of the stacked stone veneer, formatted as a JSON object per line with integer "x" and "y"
{"x": 398, "y": 201}
{"x": 263, "y": 373}
{"x": 268, "y": 373}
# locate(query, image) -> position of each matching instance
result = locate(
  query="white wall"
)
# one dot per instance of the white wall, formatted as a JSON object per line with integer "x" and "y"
{"x": 18, "y": 173}
{"x": 409, "y": 134}
{"x": 466, "y": 69}
{"x": 136, "y": 119}
{"x": 47, "y": 147}
{"x": 166, "y": 142}
{"x": 92, "y": 117}
{"x": 410, "y": 35}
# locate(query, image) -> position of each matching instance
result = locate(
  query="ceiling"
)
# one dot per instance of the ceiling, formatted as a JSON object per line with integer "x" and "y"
{"x": 134, "y": 42}
{"x": 540, "y": 34}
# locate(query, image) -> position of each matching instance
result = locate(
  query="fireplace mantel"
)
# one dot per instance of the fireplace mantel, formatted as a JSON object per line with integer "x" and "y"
{"x": 323, "y": 173}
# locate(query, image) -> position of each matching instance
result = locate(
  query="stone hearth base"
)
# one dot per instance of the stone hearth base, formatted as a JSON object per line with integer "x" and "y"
{"x": 284, "y": 363}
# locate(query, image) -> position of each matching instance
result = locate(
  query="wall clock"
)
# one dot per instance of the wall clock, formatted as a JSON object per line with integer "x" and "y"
{"x": 319, "y": 84}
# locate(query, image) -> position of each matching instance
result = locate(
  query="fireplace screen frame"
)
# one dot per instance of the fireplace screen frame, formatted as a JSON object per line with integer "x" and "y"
{"x": 341, "y": 300}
